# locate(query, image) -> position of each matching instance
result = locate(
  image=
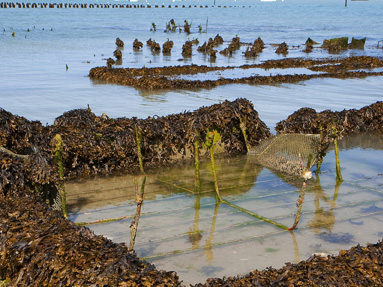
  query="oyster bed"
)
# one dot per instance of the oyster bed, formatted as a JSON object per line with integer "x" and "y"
{"x": 39, "y": 247}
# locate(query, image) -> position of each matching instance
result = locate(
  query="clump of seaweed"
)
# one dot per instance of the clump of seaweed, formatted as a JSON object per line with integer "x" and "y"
{"x": 210, "y": 45}
{"x": 118, "y": 54}
{"x": 234, "y": 45}
{"x": 307, "y": 120}
{"x": 282, "y": 49}
{"x": 255, "y": 49}
{"x": 187, "y": 49}
{"x": 137, "y": 45}
{"x": 171, "y": 26}
{"x": 119, "y": 43}
{"x": 167, "y": 47}
{"x": 110, "y": 62}
{"x": 335, "y": 45}
{"x": 154, "y": 46}
{"x": 187, "y": 27}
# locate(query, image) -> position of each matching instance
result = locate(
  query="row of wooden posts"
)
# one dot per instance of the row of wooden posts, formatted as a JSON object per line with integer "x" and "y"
{"x": 85, "y": 5}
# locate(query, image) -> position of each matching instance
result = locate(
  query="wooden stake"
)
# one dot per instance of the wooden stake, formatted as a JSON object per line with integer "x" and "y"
{"x": 134, "y": 225}
{"x": 59, "y": 161}
{"x": 321, "y": 152}
{"x": 299, "y": 206}
{"x": 242, "y": 125}
{"x": 139, "y": 143}
{"x": 338, "y": 172}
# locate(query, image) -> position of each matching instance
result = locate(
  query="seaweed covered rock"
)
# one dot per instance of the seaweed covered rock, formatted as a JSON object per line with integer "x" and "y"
{"x": 282, "y": 49}
{"x": 110, "y": 62}
{"x": 154, "y": 46}
{"x": 163, "y": 77}
{"x": 19, "y": 134}
{"x": 359, "y": 266}
{"x": 26, "y": 172}
{"x": 187, "y": 49}
{"x": 335, "y": 45}
{"x": 137, "y": 45}
{"x": 93, "y": 145}
{"x": 218, "y": 40}
{"x": 119, "y": 43}
{"x": 167, "y": 47}
{"x": 306, "y": 120}
{"x": 357, "y": 43}
{"x": 234, "y": 45}
{"x": 118, "y": 54}
{"x": 308, "y": 48}
{"x": 41, "y": 248}
{"x": 256, "y": 48}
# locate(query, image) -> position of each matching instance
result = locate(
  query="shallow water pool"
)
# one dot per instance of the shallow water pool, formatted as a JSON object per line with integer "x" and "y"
{"x": 199, "y": 238}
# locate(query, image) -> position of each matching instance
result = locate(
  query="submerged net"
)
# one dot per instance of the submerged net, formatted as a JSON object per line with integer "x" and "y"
{"x": 292, "y": 154}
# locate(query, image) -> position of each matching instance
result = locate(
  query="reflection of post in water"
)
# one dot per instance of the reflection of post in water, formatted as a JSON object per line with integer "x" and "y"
{"x": 296, "y": 249}
{"x": 208, "y": 245}
{"x": 139, "y": 201}
{"x": 212, "y": 137}
{"x": 194, "y": 233}
{"x": 322, "y": 218}
{"x": 197, "y": 174}
{"x": 299, "y": 206}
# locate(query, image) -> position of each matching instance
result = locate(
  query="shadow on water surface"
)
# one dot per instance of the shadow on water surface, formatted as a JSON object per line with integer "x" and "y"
{"x": 199, "y": 237}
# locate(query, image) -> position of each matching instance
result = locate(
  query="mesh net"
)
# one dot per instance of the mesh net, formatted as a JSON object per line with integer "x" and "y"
{"x": 292, "y": 154}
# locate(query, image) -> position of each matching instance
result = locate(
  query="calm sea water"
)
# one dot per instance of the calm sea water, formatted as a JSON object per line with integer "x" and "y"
{"x": 34, "y": 81}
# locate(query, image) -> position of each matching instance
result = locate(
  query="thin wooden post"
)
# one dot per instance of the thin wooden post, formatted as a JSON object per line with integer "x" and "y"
{"x": 242, "y": 126}
{"x": 134, "y": 224}
{"x": 338, "y": 171}
{"x": 299, "y": 206}
{"x": 321, "y": 152}
{"x": 139, "y": 154}
{"x": 58, "y": 142}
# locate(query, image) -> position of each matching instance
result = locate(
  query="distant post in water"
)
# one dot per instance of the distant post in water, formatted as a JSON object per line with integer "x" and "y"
{"x": 345, "y": 3}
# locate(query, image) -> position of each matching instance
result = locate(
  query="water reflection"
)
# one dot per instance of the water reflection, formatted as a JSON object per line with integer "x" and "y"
{"x": 187, "y": 230}
{"x": 194, "y": 233}
{"x": 209, "y": 240}
{"x": 323, "y": 219}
